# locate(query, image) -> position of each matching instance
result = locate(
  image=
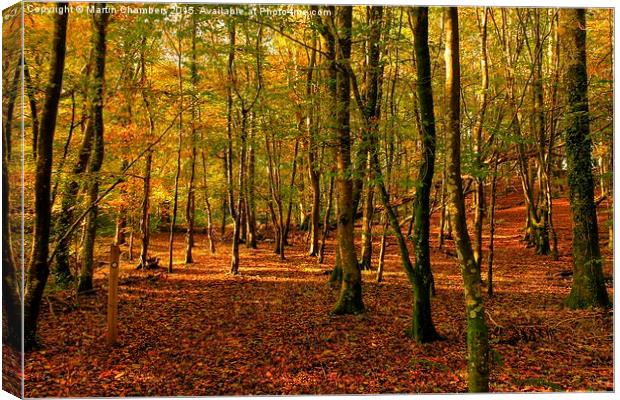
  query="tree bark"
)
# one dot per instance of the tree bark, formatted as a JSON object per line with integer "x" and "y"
{"x": 328, "y": 211}
{"x": 175, "y": 203}
{"x": 85, "y": 283}
{"x": 477, "y": 334}
{"x": 350, "y": 298}
{"x": 190, "y": 206}
{"x": 11, "y": 299}
{"x": 372, "y": 114}
{"x": 422, "y": 328}
{"x": 146, "y": 188}
{"x": 313, "y": 168}
{"x": 38, "y": 269}
{"x": 588, "y": 289}
{"x": 478, "y": 130}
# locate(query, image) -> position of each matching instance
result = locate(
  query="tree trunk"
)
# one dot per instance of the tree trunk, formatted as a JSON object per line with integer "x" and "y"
{"x": 175, "y": 203}
{"x": 479, "y": 194}
{"x": 287, "y": 224}
{"x": 234, "y": 259}
{"x": 328, "y": 211}
{"x": 491, "y": 250}
{"x": 588, "y": 289}
{"x": 207, "y": 203}
{"x": 11, "y": 299}
{"x": 422, "y": 328}
{"x": 10, "y": 107}
{"x": 38, "y": 270}
{"x": 121, "y": 217}
{"x": 251, "y": 197}
{"x": 382, "y": 249}
{"x": 190, "y": 206}
{"x": 477, "y": 334}
{"x": 146, "y": 189}
{"x": 350, "y": 299}
{"x": 85, "y": 283}
{"x": 372, "y": 114}
{"x": 313, "y": 168}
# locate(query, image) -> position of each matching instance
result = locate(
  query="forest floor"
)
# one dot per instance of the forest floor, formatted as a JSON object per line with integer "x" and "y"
{"x": 201, "y": 331}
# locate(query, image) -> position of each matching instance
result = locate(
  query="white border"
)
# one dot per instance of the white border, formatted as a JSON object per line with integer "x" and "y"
{"x": 495, "y": 3}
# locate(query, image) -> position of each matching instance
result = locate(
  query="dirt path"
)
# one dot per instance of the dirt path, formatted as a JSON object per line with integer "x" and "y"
{"x": 200, "y": 331}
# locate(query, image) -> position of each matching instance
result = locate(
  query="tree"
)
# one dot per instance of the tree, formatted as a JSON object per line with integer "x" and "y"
{"x": 423, "y": 329}
{"x": 100, "y": 21}
{"x": 372, "y": 113}
{"x": 312, "y": 149}
{"x": 477, "y": 334}
{"x": 190, "y": 208}
{"x": 588, "y": 289}
{"x": 38, "y": 269}
{"x": 146, "y": 184}
{"x": 11, "y": 298}
{"x": 479, "y": 197}
{"x": 177, "y": 175}
{"x": 350, "y": 298}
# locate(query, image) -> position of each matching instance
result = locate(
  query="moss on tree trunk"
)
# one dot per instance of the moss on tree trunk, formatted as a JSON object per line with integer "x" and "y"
{"x": 588, "y": 288}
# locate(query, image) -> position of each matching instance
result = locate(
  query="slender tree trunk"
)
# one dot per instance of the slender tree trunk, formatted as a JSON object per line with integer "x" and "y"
{"x": 491, "y": 251}
{"x": 422, "y": 328}
{"x": 350, "y": 298}
{"x": 85, "y": 283}
{"x": 251, "y": 197}
{"x": 552, "y": 136}
{"x": 479, "y": 197}
{"x": 382, "y": 249}
{"x": 234, "y": 259}
{"x": 443, "y": 215}
{"x": 207, "y": 203}
{"x": 287, "y": 224}
{"x": 543, "y": 228}
{"x": 11, "y": 299}
{"x": 146, "y": 188}
{"x": 175, "y": 203}
{"x": 38, "y": 269}
{"x": 328, "y": 211}
{"x": 121, "y": 217}
{"x": 367, "y": 217}
{"x": 372, "y": 114}
{"x": 190, "y": 207}
{"x": 588, "y": 289}
{"x": 32, "y": 100}
{"x": 477, "y": 334}
{"x": 313, "y": 170}
{"x": 10, "y": 107}
{"x": 130, "y": 249}
{"x": 145, "y": 217}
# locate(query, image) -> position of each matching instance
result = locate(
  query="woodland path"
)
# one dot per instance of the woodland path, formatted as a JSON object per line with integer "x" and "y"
{"x": 200, "y": 331}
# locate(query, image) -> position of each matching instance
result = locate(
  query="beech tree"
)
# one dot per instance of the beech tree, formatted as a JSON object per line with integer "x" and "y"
{"x": 588, "y": 287}
{"x": 350, "y": 299}
{"x": 38, "y": 269}
{"x": 100, "y": 21}
{"x": 477, "y": 334}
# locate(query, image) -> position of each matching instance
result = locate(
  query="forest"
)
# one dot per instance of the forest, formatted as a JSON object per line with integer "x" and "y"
{"x": 204, "y": 199}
